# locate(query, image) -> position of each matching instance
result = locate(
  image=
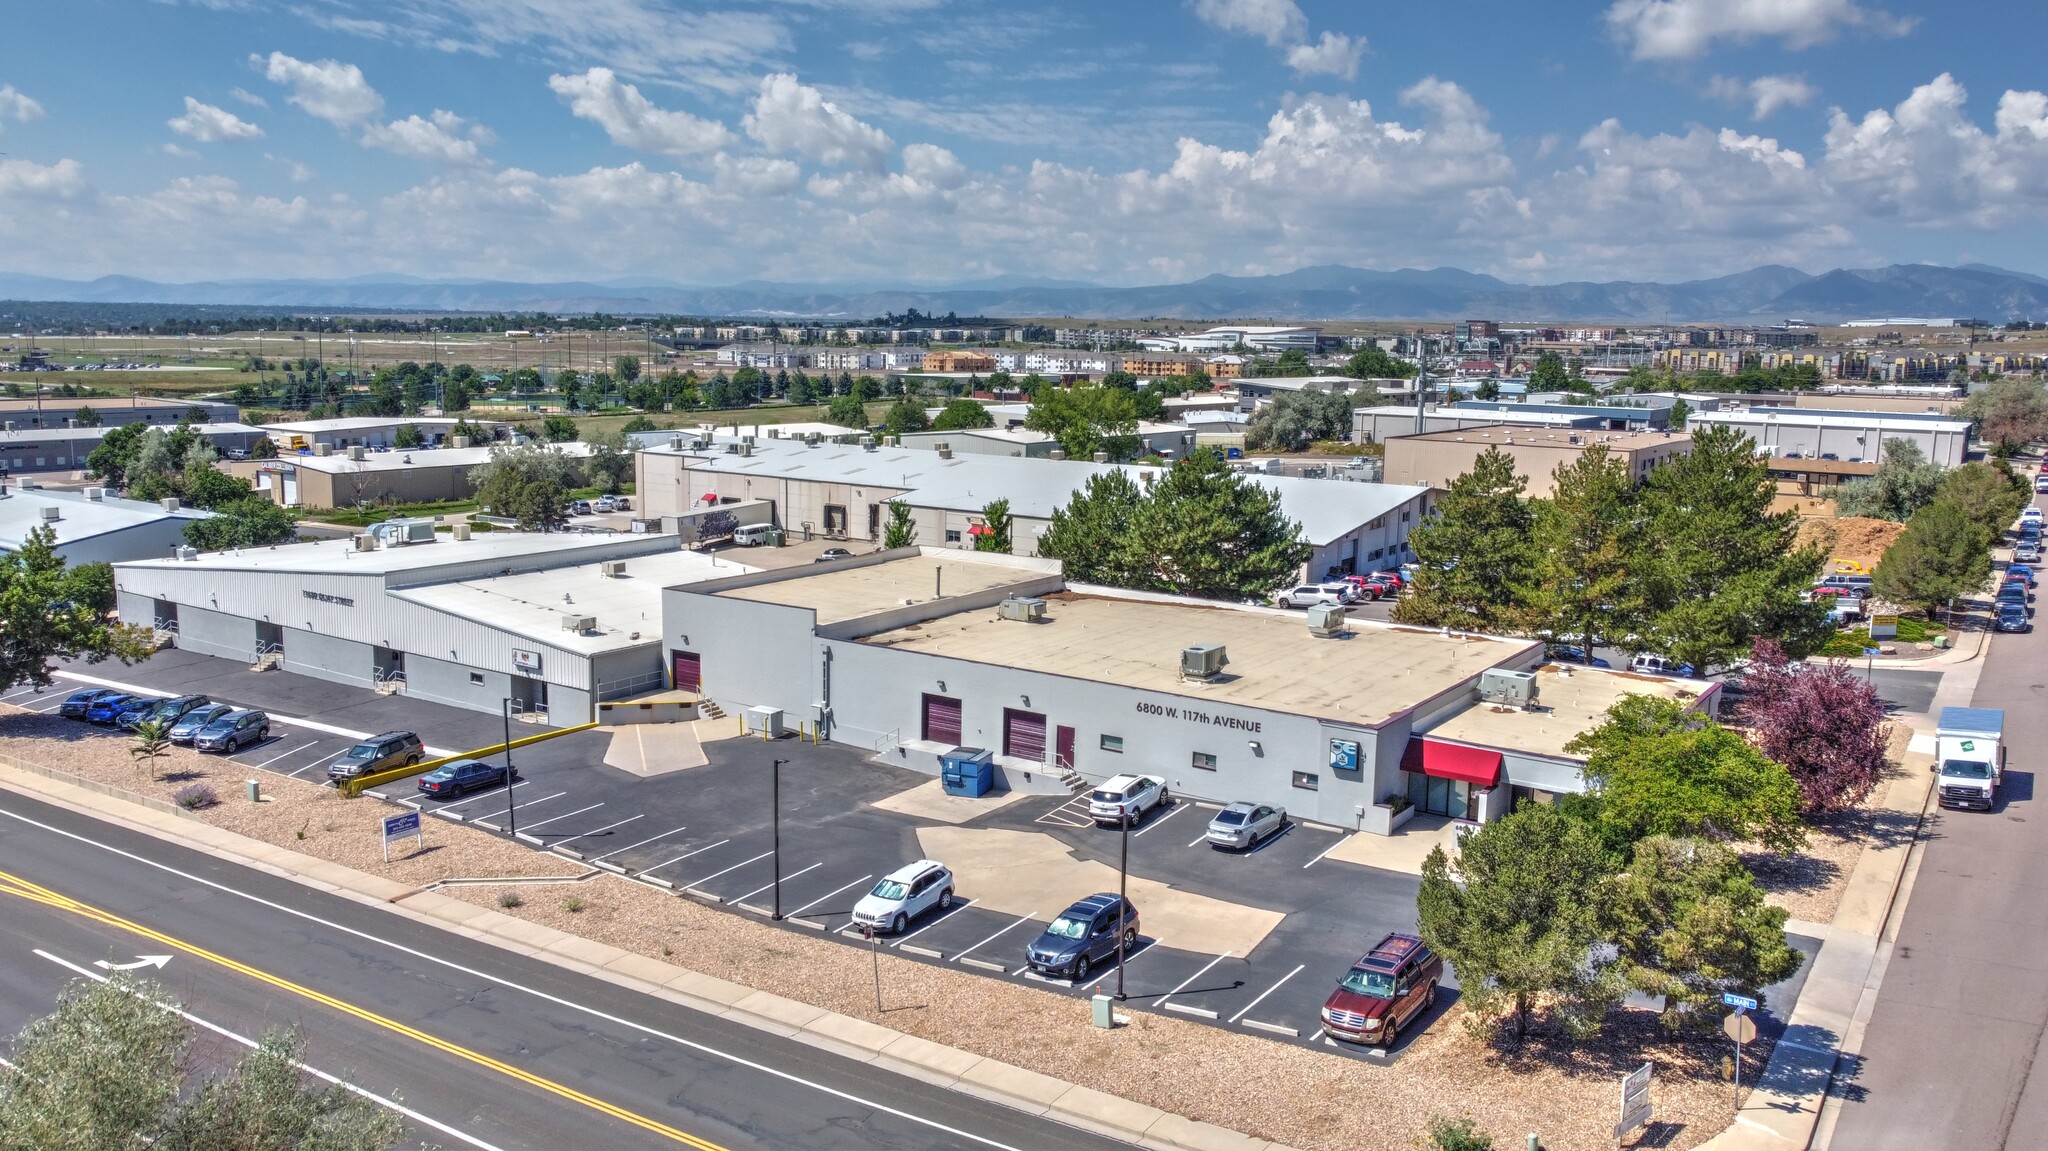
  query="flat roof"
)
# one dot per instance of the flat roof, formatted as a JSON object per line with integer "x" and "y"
{"x": 339, "y": 557}
{"x": 68, "y": 403}
{"x": 1571, "y": 701}
{"x": 1502, "y": 433}
{"x": 1540, "y": 417}
{"x": 1832, "y": 417}
{"x": 842, "y": 592}
{"x": 409, "y": 459}
{"x": 32, "y": 435}
{"x": 358, "y": 423}
{"x": 532, "y": 603}
{"x": 78, "y": 518}
{"x": 1375, "y": 673}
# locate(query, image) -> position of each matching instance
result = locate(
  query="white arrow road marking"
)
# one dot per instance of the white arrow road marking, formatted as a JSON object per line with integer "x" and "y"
{"x": 144, "y": 961}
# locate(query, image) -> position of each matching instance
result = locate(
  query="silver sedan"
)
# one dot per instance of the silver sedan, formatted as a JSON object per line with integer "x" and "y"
{"x": 1246, "y": 825}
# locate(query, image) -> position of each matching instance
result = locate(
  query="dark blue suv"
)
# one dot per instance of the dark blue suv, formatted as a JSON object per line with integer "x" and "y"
{"x": 108, "y": 708}
{"x": 1084, "y": 937}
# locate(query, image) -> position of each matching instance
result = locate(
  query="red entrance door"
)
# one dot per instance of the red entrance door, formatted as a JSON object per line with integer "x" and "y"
{"x": 1063, "y": 747}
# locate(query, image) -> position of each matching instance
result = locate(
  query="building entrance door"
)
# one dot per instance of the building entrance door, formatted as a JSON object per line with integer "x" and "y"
{"x": 1434, "y": 795}
{"x": 689, "y": 671}
{"x": 1063, "y": 748}
{"x": 269, "y": 638}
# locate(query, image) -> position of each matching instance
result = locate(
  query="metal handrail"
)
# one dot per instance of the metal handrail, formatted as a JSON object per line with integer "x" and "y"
{"x": 396, "y": 673}
{"x": 162, "y": 624}
{"x": 889, "y": 742}
{"x": 264, "y": 649}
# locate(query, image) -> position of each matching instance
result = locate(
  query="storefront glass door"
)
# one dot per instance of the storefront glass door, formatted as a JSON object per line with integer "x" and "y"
{"x": 1434, "y": 796}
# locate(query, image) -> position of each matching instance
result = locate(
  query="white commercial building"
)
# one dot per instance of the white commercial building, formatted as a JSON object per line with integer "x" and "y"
{"x": 1068, "y": 362}
{"x": 554, "y": 623}
{"x": 1858, "y": 437}
{"x": 93, "y": 526}
{"x": 1265, "y": 339}
{"x": 370, "y": 431}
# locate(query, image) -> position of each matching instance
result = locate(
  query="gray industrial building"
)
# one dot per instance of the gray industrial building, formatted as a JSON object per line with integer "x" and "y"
{"x": 51, "y": 411}
{"x": 912, "y": 652}
{"x": 1857, "y": 437}
{"x": 93, "y": 526}
{"x": 64, "y": 449}
{"x": 554, "y": 623}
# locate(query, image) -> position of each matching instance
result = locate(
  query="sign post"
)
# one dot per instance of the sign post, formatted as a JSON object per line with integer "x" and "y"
{"x": 1742, "y": 1029}
{"x": 1635, "y": 1101}
{"x": 405, "y": 826}
{"x": 874, "y": 953}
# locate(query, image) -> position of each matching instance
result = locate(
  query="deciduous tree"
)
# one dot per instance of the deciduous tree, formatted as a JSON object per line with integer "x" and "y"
{"x": 1822, "y": 721}
{"x": 251, "y": 522}
{"x": 610, "y": 463}
{"x": 1904, "y": 483}
{"x": 528, "y": 483}
{"x": 1294, "y": 420}
{"x": 906, "y": 415}
{"x": 2009, "y": 413}
{"x": 963, "y": 414}
{"x": 1988, "y": 491}
{"x": 1086, "y": 419}
{"x": 1658, "y": 769}
{"x": 847, "y": 412}
{"x": 1475, "y": 555}
{"x": 41, "y": 622}
{"x": 558, "y": 429}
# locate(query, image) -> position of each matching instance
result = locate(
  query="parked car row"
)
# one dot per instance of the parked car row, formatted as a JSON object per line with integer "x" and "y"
{"x": 188, "y": 719}
{"x": 1348, "y": 589}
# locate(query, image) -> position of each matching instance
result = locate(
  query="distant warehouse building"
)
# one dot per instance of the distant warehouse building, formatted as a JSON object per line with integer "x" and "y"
{"x": 1435, "y": 459}
{"x": 62, "y": 449}
{"x": 553, "y": 623}
{"x": 1855, "y": 437}
{"x": 354, "y": 477}
{"x": 112, "y": 411}
{"x": 93, "y": 526}
{"x": 913, "y": 653}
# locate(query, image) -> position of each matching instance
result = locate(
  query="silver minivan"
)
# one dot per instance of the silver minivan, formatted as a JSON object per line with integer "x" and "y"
{"x": 752, "y": 535}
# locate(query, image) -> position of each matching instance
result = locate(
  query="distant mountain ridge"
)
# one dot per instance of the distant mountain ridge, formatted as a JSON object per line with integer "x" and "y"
{"x": 1771, "y": 293}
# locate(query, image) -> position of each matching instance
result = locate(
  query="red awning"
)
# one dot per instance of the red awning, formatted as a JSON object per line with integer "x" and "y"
{"x": 710, "y": 497}
{"x": 1475, "y": 765}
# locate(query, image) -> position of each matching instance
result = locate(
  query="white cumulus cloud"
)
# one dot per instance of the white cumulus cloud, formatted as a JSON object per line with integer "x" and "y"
{"x": 440, "y": 139}
{"x": 17, "y": 107}
{"x": 631, "y": 120}
{"x": 1335, "y": 55}
{"x": 207, "y": 124}
{"x": 1682, "y": 29}
{"x": 790, "y": 116}
{"x": 327, "y": 89}
{"x": 1765, "y": 95}
{"x": 1277, "y": 22}
{"x": 1926, "y": 162}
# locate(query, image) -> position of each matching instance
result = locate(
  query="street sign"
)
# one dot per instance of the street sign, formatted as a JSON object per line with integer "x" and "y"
{"x": 1869, "y": 651}
{"x": 397, "y": 827}
{"x": 1635, "y": 1101}
{"x": 1738, "y": 1002}
{"x": 1739, "y": 1027}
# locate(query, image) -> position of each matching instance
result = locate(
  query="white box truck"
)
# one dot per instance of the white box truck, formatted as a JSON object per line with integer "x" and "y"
{"x": 1969, "y": 755}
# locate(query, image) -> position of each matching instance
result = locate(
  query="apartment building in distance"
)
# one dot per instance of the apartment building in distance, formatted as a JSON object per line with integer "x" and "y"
{"x": 959, "y": 361}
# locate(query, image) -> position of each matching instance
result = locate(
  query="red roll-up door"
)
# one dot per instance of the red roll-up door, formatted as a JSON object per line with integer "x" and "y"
{"x": 942, "y": 720}
{"x": 689, "y": 670}
{"x": 1024, "y": 735}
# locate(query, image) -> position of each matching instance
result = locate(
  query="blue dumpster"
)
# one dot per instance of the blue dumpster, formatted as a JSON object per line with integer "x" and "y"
{"x": 968, "y": 771}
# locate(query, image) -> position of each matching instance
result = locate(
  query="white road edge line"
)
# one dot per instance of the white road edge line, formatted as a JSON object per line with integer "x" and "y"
{"x": 766, "y": 886}
{"x": 642, "y": 843}
{"x": 1190, "y": 979}
{"x": 1326, "y": 851}
{"x": 1266, "y": 992}
{"x": 935, "y": 921}
{"x": 734, "y": 867}
{"x": 217, "y": 1029}
{"x": 824, "y": 897}
{"x": 1177, "y": 809}
{"x": 595, "y": 831}
{"x": 685, "y": 855}
{"x": 964, "y": 952}
{"x": 616, "y": 1020}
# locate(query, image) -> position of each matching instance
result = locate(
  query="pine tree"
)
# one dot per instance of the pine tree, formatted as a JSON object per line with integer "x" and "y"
{"x": 1092, "y": 536}
{"x": 1691, "y": 924}
{"x": 1215, "y": 534}
{"x": 1589, "y": 543}
{"x": 996, "y": 518}
{"x": 901, "y": 530}
{"x": 1475, "y": 557}
{"x": 1943, "y": 554}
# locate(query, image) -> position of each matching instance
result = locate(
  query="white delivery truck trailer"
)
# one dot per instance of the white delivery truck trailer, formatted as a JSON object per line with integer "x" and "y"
{"x": 1969, "y": 754}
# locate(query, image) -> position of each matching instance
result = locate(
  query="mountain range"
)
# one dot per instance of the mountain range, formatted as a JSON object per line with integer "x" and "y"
{"x": 1771, "y": 293}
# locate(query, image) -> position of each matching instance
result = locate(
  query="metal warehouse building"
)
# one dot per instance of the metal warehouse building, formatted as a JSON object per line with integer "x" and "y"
{"x": 554, "y": 623}
{"x": 915, "y": 651}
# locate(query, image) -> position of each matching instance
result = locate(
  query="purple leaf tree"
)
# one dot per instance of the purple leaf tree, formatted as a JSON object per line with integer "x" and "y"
{"x": 1819, "y": 719}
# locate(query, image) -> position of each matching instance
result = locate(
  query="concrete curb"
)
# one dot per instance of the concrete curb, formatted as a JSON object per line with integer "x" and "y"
{"x": 856, "y": 1039}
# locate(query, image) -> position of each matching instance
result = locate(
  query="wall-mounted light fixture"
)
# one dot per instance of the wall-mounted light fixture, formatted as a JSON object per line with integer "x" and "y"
{"x": 942, "y": 685}
{"x": 1026, "y": 699}
{"x": 1254, "y": 745}
{"x": 686, "y": 641}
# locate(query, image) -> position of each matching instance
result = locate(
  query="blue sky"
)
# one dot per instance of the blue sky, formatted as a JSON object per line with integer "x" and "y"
{"x": 930, "y": 141}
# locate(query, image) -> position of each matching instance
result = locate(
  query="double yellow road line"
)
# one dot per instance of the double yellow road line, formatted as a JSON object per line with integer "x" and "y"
{"x": 14, "y": 885}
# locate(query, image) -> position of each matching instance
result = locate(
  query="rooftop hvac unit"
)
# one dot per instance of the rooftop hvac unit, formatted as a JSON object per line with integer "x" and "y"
{"x": 1023, "y": 609}
{"x": 460, "y": 531}
{"x": 323, "y": 449}
{"x": 578, "y": 623}
{"x": 357, "y": 452}
{"x": 187, "y": 553}
{"x": 170, "y": 503}
{"x": 613, "y": 569}
{"x": 96, "y": 495}
{"x": 458, "y": 441}
{"x": 1326, "y": 619}
{"x": 1202, "y": 661}
{"x": 1517, "y": 688}
{"x": 945, "y": 451}
{"x": 365, "y": 542}
{"x": 50, "y": 513}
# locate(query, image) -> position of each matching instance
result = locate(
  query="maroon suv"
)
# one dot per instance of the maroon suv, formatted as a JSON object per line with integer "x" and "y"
{"x": 1383, "y": 992}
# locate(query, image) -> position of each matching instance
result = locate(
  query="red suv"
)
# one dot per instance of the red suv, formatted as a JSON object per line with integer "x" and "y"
{"x": 1383, "y": 992}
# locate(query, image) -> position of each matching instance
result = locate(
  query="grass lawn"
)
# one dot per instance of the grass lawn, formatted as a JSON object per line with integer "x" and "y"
{"x": 363, "y": 517}
{"x": 1850, "y": 642}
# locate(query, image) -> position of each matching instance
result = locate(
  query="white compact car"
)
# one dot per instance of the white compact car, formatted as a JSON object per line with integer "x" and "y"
{"x": 1126, "y": 798}
{"x": 904, "y": 894}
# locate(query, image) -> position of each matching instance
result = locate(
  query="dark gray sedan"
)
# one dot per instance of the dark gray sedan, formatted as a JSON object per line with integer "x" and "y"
{"x": 1246, "y": 825}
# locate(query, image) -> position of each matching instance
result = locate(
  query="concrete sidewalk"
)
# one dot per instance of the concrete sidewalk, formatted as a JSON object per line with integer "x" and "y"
{"x": 856, "y": 1039}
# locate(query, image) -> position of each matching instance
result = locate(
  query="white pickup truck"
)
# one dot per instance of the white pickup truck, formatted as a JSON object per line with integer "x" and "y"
{"x": 1969, "y": 754}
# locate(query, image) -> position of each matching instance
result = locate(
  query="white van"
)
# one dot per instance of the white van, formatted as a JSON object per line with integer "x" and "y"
{"x": 752, "y": 535}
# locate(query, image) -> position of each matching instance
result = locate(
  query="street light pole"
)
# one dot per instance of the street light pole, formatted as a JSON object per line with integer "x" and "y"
{"x": 1123, "y": 874}
{"x": 775, "y": 817}
{"x": 511, "y": 796}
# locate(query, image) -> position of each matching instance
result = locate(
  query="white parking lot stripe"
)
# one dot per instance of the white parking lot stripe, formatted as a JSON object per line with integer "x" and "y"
{"x": 1130, "y": 957}
{"x": 1326, "y": 851}
{"x": 734, "y": 867}
{"x": 563, "y": 816}
{"x": 606, "y": 827}
{"x": 499, "y": 790}
{"x": 45, "y": 707}
{"x": 991, "y": 939}
{"x": 525, "y": 803}
{"x": 1177, "y": 809}
{"x": 1190, "y": 979}
{"x": 1266, "y": 992}
{"x": 642, "y": 843}
{"x": 316, "y": 763}
{"x": 927, "y": 927}
{"x": 766, "y": 886}
{"x": 281, "y": 755}
{"x": 310, "y": 725}
{"x": 685, "y": 855}
{"x": 1200, "y": 838}
{"x": 826, "y": 896}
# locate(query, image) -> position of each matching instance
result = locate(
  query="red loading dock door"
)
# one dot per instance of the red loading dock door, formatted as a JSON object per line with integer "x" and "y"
{"x": 689, "y": 671}
{"x": 1024, "y": 735}
{"x": 1474, "y": 765}
{"x": 942, "y": 720}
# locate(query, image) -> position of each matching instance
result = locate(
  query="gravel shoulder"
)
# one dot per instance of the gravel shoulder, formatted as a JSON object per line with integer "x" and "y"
{"x": 1282, "y": 1091}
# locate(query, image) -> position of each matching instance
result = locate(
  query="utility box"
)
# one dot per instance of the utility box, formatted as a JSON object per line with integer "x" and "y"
{"x": 968, "y": 771}
{"x": 1326, "y": 619}
{"x": 765, "y": 722}
{"x": 1103, "y": 1011}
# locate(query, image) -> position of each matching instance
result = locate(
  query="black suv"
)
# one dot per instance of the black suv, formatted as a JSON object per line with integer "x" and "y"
{"x": 392, "y": 749}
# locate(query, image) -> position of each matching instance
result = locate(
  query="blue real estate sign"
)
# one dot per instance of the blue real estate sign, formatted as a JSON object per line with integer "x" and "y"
{"x": 397, "y": 827}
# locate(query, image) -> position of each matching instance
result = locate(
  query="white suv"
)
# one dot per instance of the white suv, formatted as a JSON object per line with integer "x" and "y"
{"x": 1311, "y": 594}
{"x": 904, "y": 894}
{"x": 1126, "y": 798}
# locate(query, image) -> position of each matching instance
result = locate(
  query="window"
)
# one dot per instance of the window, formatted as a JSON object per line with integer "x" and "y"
{"x": 1113, "y": 743}
{"x": 952, "y": 537}
{"x": 477, "y": 678}
{"x": 1205, "y": 760}
{"x": 1380, "y": 522}
{"x": 1307, "y": 780}
{"x": 1378, "y": 552}
{"x": 1405, "y": 516}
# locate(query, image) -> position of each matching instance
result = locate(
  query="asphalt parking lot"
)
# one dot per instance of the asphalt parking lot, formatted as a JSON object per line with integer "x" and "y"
{"x": 707, "y": 833}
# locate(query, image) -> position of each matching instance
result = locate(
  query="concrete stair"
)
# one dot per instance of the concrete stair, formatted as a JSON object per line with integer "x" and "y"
{"x": 267, "y": 661}
{"x": 391, "y": 687}
{"x": 707, "y": 709}
{"x": 1075, "y": 782}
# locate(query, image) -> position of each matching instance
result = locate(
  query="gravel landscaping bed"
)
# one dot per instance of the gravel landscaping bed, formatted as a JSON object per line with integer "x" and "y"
{"x": 1284, "y": 1091}
{"x": 1809, "y": 883}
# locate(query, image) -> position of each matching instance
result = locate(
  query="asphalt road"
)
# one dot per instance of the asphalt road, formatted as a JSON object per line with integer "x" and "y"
{"x": 486, "y": 1048}
{"x": 1950, "y": 1056}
